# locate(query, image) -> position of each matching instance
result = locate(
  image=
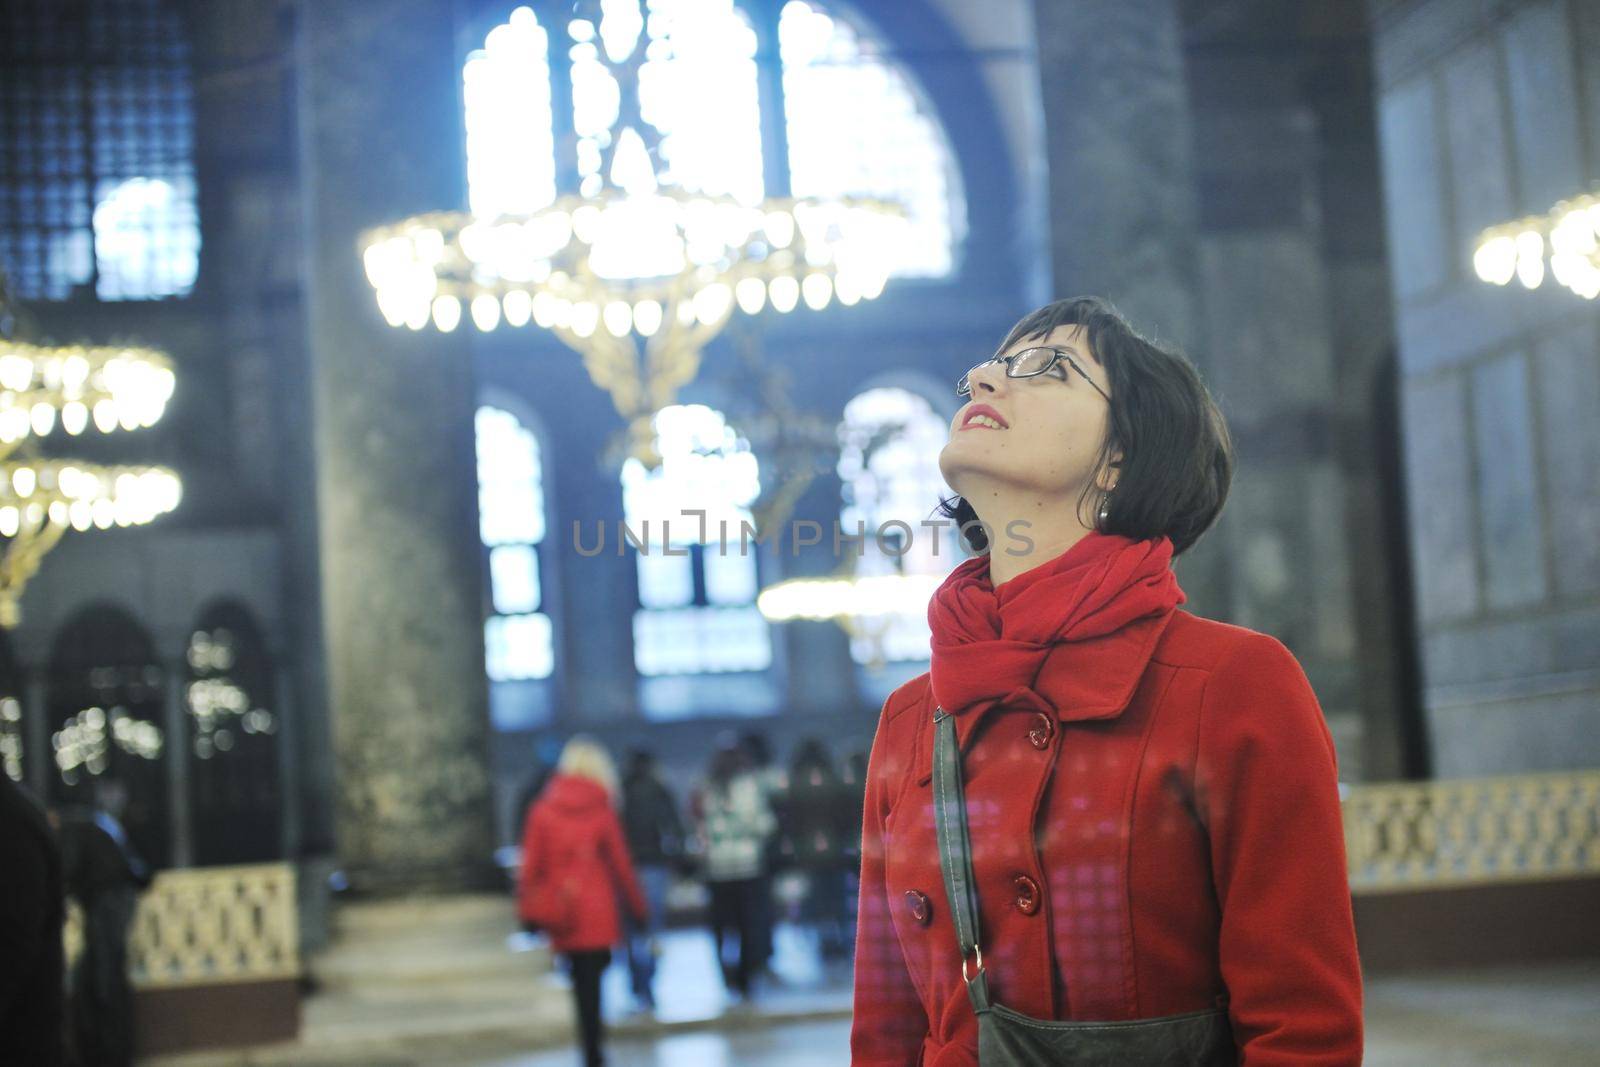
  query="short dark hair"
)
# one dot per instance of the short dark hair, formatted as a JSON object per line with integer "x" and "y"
{"x": 1177, "y": 456}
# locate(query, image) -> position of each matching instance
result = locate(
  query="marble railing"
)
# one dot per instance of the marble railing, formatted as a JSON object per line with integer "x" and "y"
{"x": 211, "y": 925}
{"x": 1415, "y": 835}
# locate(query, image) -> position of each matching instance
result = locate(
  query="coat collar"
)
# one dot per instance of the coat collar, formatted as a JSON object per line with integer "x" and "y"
{"x": 1079, "y": 681}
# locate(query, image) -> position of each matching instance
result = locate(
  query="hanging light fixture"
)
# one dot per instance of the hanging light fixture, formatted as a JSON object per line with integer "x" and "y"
{"x": 49, "y": 392}
{"x": 635, "y": 274}
{"x": 1563, "y": 244}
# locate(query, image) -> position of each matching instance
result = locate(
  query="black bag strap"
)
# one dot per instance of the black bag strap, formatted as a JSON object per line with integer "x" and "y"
{"x": 955, "y": 849}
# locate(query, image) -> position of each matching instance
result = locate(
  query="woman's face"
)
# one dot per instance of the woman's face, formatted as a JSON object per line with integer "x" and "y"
{"x": 1050, "y": 427}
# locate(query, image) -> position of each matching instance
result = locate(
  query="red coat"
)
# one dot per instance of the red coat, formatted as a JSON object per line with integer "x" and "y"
{"x": 572, "y": 849}
{"x": 1165, "y": 838}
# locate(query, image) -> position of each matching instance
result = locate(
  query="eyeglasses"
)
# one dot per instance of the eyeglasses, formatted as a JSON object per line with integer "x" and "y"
{"x": 1029, "y": 363}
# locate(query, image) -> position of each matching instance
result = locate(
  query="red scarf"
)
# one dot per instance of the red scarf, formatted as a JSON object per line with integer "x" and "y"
{"x": 989, "y": 644}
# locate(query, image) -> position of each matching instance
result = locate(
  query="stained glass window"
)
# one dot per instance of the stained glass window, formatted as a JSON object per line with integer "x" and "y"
{"x": 697, "y": 609}
{"x": 889, "y": 444}
{"x": 97, "y": 150}
{"x": 857, "y": 125}
{"x": 517, "y": 636}
{"x": 855, "y": 121}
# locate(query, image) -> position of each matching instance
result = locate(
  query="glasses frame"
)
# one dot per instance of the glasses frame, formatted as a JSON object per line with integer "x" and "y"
{"x": 964, "y": 383}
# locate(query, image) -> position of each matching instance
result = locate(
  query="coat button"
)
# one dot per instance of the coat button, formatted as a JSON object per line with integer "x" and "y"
{"x": 1027, "y": 889}
{"x": 1044, "y": 727}
{"x": 919, "y": 906}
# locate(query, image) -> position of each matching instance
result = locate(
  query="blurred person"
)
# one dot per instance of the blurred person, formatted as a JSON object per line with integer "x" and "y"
{"x": 101, "y": 870}
{"x": 545, "y": 755}
{"x": 774, "y": 785}
{"x": 1095, "y": 808}
{"x": 32, "y": 907}
{"x": 655, "y": 838}
{"x": 575, "y": 866}
{"x": 855, "y": 787}
{"x": 813, "y": 827}
{"x": 736, "y": 823}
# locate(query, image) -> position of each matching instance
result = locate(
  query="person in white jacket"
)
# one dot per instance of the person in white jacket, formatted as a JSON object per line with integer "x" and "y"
{"x": 735, "y": 824}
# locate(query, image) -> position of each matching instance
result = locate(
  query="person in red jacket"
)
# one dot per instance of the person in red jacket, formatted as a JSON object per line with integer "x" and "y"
{"x": 1152, "y": 797}
{"x": 575, "y": 866}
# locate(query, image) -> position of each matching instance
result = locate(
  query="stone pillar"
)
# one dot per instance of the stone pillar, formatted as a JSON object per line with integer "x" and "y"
{"x": 1296, "y": 331}
{"x": 38, "y": 758}
{"x": 292, "y": 833}
{"x": 174, "y": 723}
{"x": 392, "y": 419}
{"x": 1121, "y": 186}
{"x": 1117, "y": 131}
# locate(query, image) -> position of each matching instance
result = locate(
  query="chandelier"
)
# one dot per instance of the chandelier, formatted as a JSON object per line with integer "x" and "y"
{"x": 71, "y": 391}
{"x": 1568, "y": 237}
{"x": 636, "y": 274}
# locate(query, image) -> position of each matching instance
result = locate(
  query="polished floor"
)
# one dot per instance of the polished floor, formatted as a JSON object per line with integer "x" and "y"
{"x": 1544, "y": 1016}
{"x": 504, "y": 1010}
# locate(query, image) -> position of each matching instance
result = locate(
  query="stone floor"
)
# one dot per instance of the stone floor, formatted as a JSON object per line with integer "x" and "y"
{"x": 452, "y": 989}
{"x": 1546, "y": 1016}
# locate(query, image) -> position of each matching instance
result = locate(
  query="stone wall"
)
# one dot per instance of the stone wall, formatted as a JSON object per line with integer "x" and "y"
{"x": 1489, "y": 111}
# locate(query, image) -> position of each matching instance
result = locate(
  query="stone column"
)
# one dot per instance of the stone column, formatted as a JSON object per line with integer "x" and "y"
{"x": 1117, "y": 131}
{"x": 180, "y": 810}
{"x": 38, "y": 762}
{"x": 1121, "y": 186}
{"x": 392, "y": 419}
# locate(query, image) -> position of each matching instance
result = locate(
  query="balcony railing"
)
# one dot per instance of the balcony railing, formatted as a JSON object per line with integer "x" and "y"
{"x": 211, "y": 925}
{"x": 1417, "y": 835}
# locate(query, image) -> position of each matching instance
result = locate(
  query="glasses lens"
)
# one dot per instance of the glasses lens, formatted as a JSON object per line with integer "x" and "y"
{"x": 1032, "y": 361}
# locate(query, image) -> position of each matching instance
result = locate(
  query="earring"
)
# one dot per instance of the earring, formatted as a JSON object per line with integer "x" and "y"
{"x": 1105, "y": 508}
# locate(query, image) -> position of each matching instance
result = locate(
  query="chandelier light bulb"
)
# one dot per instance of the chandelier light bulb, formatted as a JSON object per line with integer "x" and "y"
{"x": 1495, "y": 261}
{"x": 751, "y": 294}
{"x": 817, "y": 290}
{"x": 784, "y": 292}
{"x": 618, "y": 318}
{"x": 518, "y": 306}
{"x": 446, "y": 313}
{"x": 485, "y": 312}
{"x": 647, "y": 316}
{"x": 584, "y": 318}
{"x": 711, "y": 303}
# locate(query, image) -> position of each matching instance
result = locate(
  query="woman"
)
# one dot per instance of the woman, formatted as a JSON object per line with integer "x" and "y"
{"x": 1150, "y": 797}
{"x": 574, "y": 867}
{"x": 736, "y": 822}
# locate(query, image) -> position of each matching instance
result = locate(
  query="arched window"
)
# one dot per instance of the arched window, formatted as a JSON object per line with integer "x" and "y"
{"x": 889, "y": 444}
{"x": 697, "y": 86}
{"x": 97, "y": 150}
{"x": 697, "y": 583}
{"x": 511, "y": 166}
{"x": 105, "y": 716}
{"x": 517, "y": 635}
{"x": 234, "y": 785}
{"x": 854, "y": 122}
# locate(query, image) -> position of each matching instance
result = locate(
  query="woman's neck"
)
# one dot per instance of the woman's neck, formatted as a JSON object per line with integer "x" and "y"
{"x": 1024, "y": 530}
